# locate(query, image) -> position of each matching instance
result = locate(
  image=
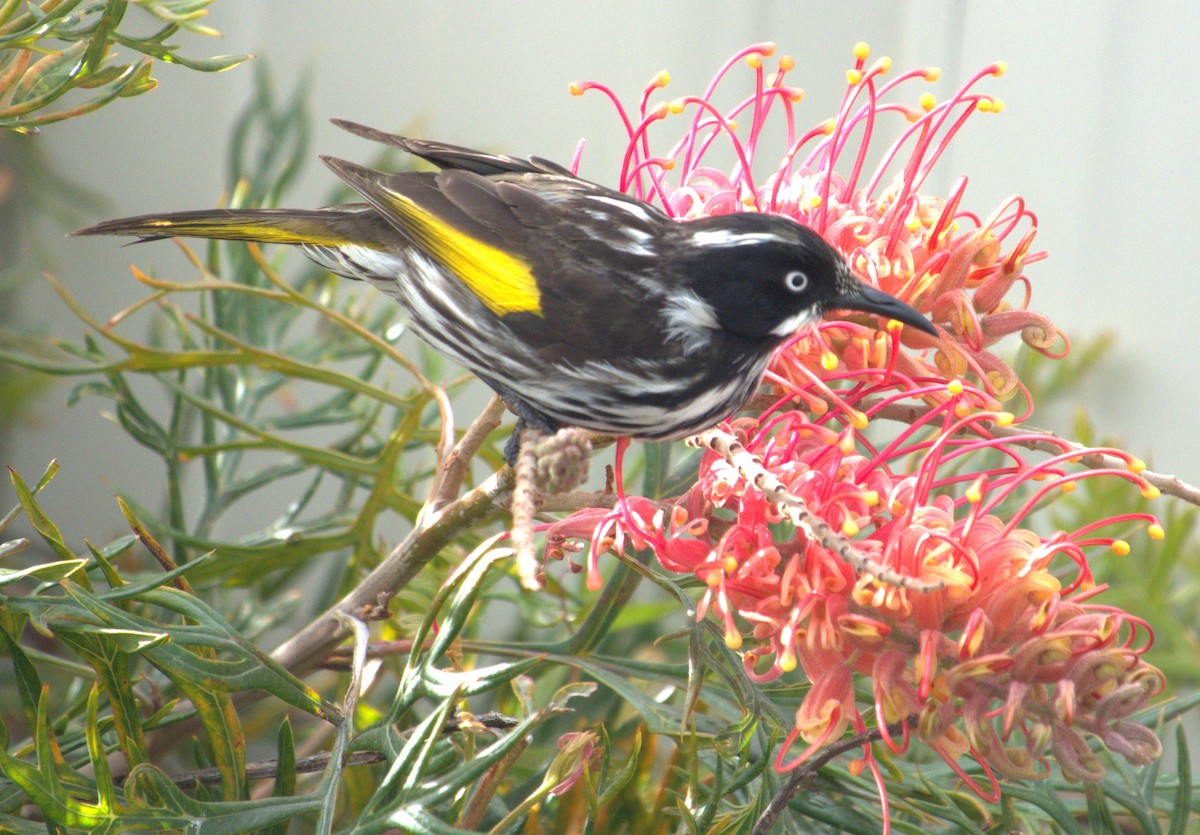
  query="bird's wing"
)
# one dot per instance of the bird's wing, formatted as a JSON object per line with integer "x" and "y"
{"x": 562, "y": 263}
{"x": 444, "y": 155}
{"x": 479, "y": 253}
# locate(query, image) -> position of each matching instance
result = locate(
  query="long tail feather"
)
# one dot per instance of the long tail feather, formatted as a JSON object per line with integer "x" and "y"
{"x": 324, "y": 227}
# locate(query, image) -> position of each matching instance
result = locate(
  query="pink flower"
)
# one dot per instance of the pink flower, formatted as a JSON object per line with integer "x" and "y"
{"x": 963, "y": 627}
{"x": 929, "y": 251}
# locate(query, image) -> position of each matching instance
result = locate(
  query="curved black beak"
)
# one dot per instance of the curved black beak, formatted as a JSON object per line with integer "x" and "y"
{"x": 869, "y": 300}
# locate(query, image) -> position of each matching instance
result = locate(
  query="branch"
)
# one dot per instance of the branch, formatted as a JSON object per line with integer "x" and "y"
{"x": 798, "y": 778}
{"x": 304, "y": 651}
{"x": 751, "y": 467}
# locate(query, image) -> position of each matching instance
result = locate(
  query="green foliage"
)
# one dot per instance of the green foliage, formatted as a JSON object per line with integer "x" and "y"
{"x": 54, "y": 47}
{"x": 293, "y": 438}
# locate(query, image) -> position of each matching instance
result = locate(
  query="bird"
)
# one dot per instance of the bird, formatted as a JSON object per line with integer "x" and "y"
{"x": 579, "y": 305}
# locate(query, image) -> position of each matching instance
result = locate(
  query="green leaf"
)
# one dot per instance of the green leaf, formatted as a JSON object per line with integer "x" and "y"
{"x": 156, "y": 796}
{"x": 50, "y": 572}
{"x": 49, "y": 532}
{"x": 29, "y": 683}
{"x": 285, "y": 776}
{"x": 1181, "y": 808}
{"x": 114, "y": 10}
{"x": 45, "y": 81}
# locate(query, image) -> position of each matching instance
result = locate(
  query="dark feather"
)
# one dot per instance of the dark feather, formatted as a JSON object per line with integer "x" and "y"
{"x": 444, "y": 155}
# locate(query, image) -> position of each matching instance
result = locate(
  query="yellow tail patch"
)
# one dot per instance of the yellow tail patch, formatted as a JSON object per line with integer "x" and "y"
{"x": 501, "y": 281}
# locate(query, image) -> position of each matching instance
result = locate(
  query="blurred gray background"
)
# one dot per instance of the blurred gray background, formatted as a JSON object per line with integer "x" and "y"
{"x": 1098, "y": 134}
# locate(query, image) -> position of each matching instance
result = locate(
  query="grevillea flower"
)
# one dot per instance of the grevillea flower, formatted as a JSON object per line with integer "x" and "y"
{"x": 929, "y": 251}
{"x": 970, "y": 627}
{"x": 1003, "y": 660}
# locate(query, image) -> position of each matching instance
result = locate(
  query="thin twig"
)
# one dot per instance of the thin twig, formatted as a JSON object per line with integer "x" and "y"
{"x": 581, "y": 500}
{"x": 1053, "y": 443}
{"x": 455, "y": 466}
{"x": 751, "y": 467}
{"x": 801, "y": 776}
{"x": 484, "y": 791}
{"x": 524, "y": 508}
{"x": 341, "y": 658}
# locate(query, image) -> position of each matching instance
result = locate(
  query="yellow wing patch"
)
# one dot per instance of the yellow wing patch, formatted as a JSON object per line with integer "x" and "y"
{"x": 501, "y": 281}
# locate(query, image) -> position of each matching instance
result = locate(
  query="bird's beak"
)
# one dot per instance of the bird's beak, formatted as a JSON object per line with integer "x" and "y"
{"x": 869, "y": 300}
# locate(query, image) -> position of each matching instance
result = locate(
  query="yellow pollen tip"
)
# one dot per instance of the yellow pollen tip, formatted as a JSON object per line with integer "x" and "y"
{"x": 931, "y": 73}
{"x": 983, "y": 105}
{"x": 1069, "y": 486}
{"x": 997, "y": 105}
{"x": 999, "y": 68}
{"x": 787, "y": 663}
{"x": 854, "y": 76}
{"x": 870, "y": 497}
{"x": 859, "y": 421}
{"x": 1149, "y": 491}
{"x": 814, "y": 201}
{"x": 729, "y": 565}
{"x": 766, "y": 49}
{"x": 1136, "y": 465}
{"x": 787, "y": 63}
{"x": 660, "y": 111}
{"x": 662, "y": 79}
{"x": 955, "y": 387}
{"x": 828, "y": 125}
{"x": 733, "y": 125}
{"x": 1005, "y": 418}
{"x": 850, "y": 528}
{"x": 1120, "y": 547}
{"x": 846, "y": 443}
{"x": 975, "y": 492}
{"x": 754, "y": 60}
{"x": 1156, "y": 531}
{"x": 862, "y": 50}
{"x": 829, "y": 360}
{"x": 733, "y": 639}
{"x": 576, "y": 88}
{"x": 713, "y": 579}
{"x": 912, "y": 224}
{"x": 927, "y": 102}
{"x": 884, "y": 65}
{"x": 667, "y": 164}
{"x": 795, "y": 95}
{"x": 676, "y": 106}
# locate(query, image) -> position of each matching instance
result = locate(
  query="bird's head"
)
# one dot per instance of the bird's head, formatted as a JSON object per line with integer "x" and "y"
{"x": 766, "y": 276}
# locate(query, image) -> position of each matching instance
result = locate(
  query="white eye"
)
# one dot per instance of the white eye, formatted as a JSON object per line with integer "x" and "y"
{"x": 796, "y": 281}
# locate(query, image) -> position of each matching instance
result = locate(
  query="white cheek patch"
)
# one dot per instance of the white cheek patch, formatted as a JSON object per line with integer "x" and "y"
{"x": 794, "y": 323}
{"x": 687, "y": 317}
